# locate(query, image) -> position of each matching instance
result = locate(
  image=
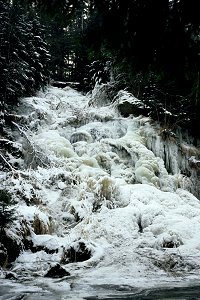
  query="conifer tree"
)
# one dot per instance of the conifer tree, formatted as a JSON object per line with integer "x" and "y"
{"x": 38, "y": 56}
{"x": 4, "y": 21}
{"x": 24, "y": 54}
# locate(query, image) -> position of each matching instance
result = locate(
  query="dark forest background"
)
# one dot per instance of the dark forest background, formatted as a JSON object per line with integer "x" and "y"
{"x": 148, "y": 47}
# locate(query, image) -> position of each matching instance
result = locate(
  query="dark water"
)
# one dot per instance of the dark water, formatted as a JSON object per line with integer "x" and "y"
{"x": 7, "y": 292}
{"x": 159, "y": 294}
{"x": 180, "y": 293}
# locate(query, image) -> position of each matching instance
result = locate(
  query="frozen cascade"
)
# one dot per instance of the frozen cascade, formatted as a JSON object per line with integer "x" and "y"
{"x": 178, "y": 154}
{"x": 111, "y": 185}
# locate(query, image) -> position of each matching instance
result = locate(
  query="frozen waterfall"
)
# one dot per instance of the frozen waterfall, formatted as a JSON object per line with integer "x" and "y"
{"x": 111, "y": 184}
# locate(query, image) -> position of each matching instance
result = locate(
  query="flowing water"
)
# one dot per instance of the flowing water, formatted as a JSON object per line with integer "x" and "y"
{"x": 105, "y": 197}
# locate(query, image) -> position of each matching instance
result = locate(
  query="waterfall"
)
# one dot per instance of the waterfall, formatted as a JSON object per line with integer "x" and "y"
{"x": 112, "y": 199}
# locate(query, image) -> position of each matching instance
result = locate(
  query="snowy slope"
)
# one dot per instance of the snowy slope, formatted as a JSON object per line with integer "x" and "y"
{"x": 90, "y": 177}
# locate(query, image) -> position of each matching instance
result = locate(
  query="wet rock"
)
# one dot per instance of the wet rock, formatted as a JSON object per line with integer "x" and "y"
{"x": 57, "y": 272}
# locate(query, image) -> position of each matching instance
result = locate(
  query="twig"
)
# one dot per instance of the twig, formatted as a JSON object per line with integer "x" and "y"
{"x": 12, "y": 169}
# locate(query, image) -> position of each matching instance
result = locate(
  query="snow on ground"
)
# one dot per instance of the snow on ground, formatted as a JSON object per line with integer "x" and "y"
{"x": 89, "y": 176}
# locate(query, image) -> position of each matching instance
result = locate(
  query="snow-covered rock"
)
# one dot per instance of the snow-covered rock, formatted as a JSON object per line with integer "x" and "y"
{"x": 128, "y": 105}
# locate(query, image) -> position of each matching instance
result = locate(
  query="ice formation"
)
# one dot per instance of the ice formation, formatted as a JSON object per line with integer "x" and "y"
{"x": 113, "y": 184}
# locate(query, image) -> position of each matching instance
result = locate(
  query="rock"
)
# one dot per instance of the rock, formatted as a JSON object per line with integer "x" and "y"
{"x": 29, "y": 245}
{"x": 12, "y": 248}
{"x": 57, "y": 272}
{"x": 10, "y": 275}
{"x": 59, "y": 84}
{"x": 39, "y": 227}
{"x": 101, "y": 96}
{"x": 64, "y": 85}
{"x": 80, "y": 136}
{"x": 128, "y": 105}
{"x": 194, "y": 164}
{"x": 77, "y": 253}
{"x": 35, "y": 249}
{"x": 127, "y": 108}
{"x": 3, "y": 256}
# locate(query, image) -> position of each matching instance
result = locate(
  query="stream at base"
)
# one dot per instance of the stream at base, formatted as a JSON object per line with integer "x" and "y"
{"x": 16, "y": 291}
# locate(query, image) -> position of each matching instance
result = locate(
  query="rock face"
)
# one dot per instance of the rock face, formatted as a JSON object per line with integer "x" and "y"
{"x": 57, "y": 272}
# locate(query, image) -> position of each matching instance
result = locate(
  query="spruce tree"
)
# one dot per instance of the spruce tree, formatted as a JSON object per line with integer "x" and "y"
{"x": 24, "y": 53}
{"x": 4, "y": 21}
{"x": 38, "y": 56}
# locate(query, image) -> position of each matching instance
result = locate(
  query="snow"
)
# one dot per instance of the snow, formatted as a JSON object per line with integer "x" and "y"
{"x": 106, "y": 184}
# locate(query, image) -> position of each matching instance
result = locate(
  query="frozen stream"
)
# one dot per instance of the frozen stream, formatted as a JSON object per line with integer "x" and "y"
{"x": 94, "y": 197}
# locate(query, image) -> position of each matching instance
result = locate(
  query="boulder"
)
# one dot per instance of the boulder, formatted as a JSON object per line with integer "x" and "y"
{"x": 57, "y": 272}
{"x": 128, "y": 105}
{"x": 10, "y": 275}
{"x": 76, "y": 253}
